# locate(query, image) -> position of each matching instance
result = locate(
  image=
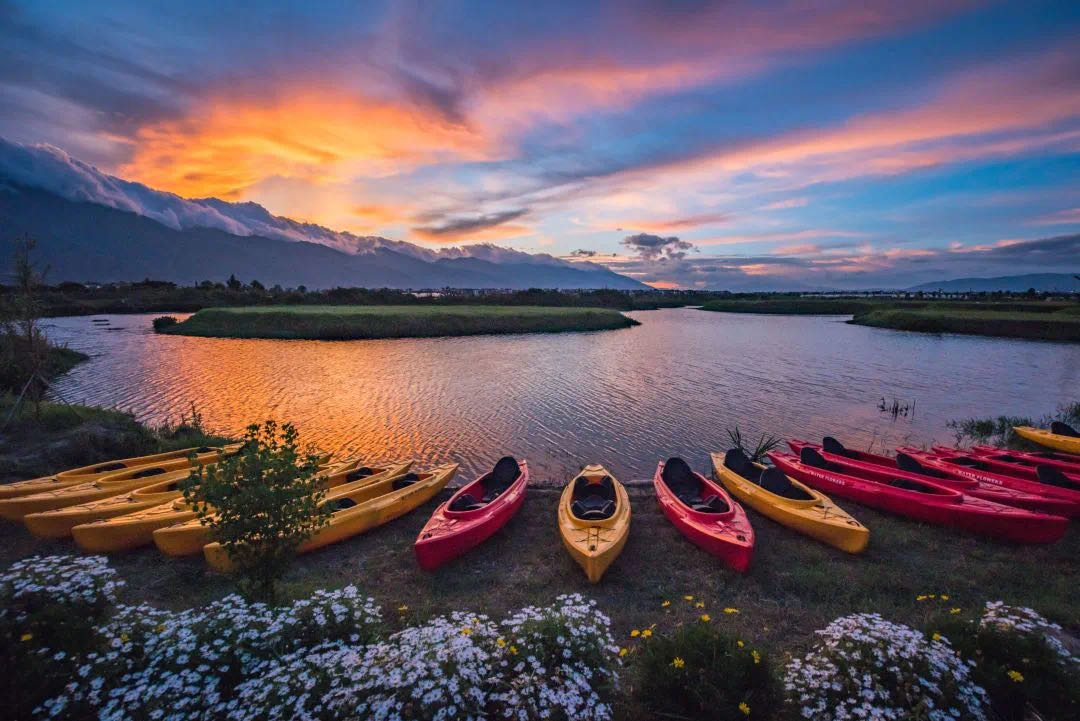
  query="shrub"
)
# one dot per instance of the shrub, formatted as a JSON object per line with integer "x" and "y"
{"x": 557, "y": 662}
{"x": 1020, "y": 661}
{"x": 700, "y": 672}
{"x": 260, "y": 504}
{"x": 868, "y": 667}
{"x": 164, "y": 321}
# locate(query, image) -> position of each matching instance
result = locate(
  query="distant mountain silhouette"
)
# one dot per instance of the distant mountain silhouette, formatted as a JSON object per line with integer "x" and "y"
{"x": 1048, "y": 282}
{"x": 84, "y": 241}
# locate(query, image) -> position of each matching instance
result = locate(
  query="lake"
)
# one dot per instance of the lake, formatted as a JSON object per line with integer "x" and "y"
{"x": 625, "y": 398}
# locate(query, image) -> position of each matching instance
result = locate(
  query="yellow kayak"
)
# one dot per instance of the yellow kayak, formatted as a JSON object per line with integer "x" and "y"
{"x": 175, "y": 529}
{"x": 111, "y": 484}
{"x": 789, "y": 502}
{"x": 173, "y": 460}
{"x": 1049, "y": 439}
{"x": 358, "y": 507}
{"x": 594, "y": 520}
{"x": 59, "y": 522}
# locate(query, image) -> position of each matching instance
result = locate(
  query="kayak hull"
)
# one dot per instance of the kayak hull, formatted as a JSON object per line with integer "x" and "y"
{"x": 450, "y": 534}
{"x": 1064, "y": 462}
{"x": 594, "y": 545}
{"x": 940, "y": 505}
{"x": 728, "y": 536}
{"x": 817, "y": 517}
{"x": 1045, "y": 438}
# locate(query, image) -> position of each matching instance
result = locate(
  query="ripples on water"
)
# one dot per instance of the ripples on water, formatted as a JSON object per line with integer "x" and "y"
{"x": 625, "y": 398}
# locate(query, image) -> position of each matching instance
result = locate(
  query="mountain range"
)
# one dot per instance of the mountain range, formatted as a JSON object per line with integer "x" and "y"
{"x": 90, "y": 226}
{"x": 1041, "y": 282}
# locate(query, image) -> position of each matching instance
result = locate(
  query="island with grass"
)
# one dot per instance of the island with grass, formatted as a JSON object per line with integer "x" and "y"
{"x": 328, "y": 322}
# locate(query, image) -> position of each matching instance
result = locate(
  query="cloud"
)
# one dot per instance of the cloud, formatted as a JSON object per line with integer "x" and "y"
{"x": 655, "y": 247}
{"x": 498, "y": 224}
{"x": 684, "y": 223}
{"x": 582, "y": 253}
{"x": 1068, "y": 216}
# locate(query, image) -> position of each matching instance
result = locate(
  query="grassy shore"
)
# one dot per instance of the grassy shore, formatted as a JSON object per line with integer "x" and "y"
{"x": 1043, "y": 326}
{"x": 393, "y": 321}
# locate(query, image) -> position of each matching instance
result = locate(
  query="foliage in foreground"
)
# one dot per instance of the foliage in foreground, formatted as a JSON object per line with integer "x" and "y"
{"x": 261, "y": 504}
{"x": 998, "y": 431}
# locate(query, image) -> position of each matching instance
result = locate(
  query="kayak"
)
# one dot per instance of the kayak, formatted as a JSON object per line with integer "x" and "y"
{"x": 473, "y": 514}
{"x": 1005, "y": 466}
{"x": 111, "y": 484}
{"x": 59, "y": 522}
{"x": 788, "y": 502}
{"x": 1064, "y": 462}
{"x": 704, "y": 513}
{"x": 922, "y": 500}
{"x": 886, "y": 469}
{"x": 594, "y": 520}
{"x": 1051, "y": 483}
{"x": 1060, "y": 437}
{"x": 173, "y": 460}
{"x": 177, "y": 531}
{"x": 358, "y": 507}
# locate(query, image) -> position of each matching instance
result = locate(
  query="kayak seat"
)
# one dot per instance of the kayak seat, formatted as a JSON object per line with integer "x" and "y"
{"x": 593, "y": 501}
{"x": 340, "y": 504}
{"x": 203, "y": 449}
{"x": 405, "y": 481}
{"x": 808, "y": 456}
{"x": 466, "y": 502}
{"x": 1014, "y": 459}
{"x": 968, "y": 462}
{"x": 835, "y": 447}
{"x": 504, "y": 474}
{"x": 775, "y": 481}
{"x": 680, "y": 479}
{"x": 907, "y": 485}
{"x": 1053, "y": 477}
{"x": 110, "y": 467}
{"x": 710, "y": 504}
{"x": 148, "y": 472}
{"x": 1064, "y": 429}
{"x": 738, "y": 462}
{"x": 359, "y": 473}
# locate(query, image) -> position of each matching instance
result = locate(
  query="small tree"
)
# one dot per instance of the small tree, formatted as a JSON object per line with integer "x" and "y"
{"x": 233, "y": 282}
{"x": 261, "y": 504}
{"x": 25, "y": 349}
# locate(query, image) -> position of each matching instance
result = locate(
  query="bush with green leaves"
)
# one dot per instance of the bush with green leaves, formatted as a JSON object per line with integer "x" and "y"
{"x": 164, "y": 321}
{"x": 1020, "y": 659}
{"x": 261, "y": 504}
{"x": 701, "y": 672}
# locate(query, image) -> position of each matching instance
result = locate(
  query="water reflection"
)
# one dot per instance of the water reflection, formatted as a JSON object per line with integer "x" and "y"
{"x": 625, "y": 398}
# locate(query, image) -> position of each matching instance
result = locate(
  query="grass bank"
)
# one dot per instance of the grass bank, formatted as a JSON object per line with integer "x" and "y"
{"x": 1064, "y": 326}
{"x": 392, "y": 321}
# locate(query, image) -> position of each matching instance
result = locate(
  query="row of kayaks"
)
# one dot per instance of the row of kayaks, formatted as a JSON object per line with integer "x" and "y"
{"x": 1019, "y": 496}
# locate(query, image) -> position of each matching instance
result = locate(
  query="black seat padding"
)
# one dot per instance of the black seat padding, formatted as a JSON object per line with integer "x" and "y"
{"x": 808, "y": 456}
{"x": 711, "y": 504}
{"x": 835, "y": 447}
{"x": 773, "y": 480}
{"x": 593, "y": 501}
{"x": 405, "y": 481}
{"x": 1053, "y": 477}
{"x": 504, "y": 474}
{"x": 340, "y": 504}
{"x": 1064, "y": 429}
{"x": 466, "y": 502}
{"x": 362, "y": 472}
{"x": 738, "y": 462}
{"x": 969, "y": 462}
{"x": 681, "y": 480}
{"x": 908, "y": 485}
{"x": 148, "y": 472}
{"x": 906, "y": 463}
{"x": 110, "y": 467}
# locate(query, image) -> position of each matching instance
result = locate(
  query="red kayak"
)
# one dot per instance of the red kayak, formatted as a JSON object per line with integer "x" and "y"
{"x": 923, "y": 500}
{"x": 1008, "y": 467}
{"x": 704, "y": 513}
{"x": 1064, "y": 462}
{"x": 1052, "y": 482}
{"x": 886, "y": 469}
{"x": 472, "y": 514}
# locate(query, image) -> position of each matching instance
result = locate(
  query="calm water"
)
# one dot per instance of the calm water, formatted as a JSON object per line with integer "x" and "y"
{"x": 625, "y": 398}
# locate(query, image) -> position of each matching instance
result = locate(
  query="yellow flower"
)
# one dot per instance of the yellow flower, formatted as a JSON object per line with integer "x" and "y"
{"x": 745, "y": 708}
{"x": 678, "y": 662}
{"x": 646, "y": 633}
{"x": 623, "y": 652}
{"x": 921, "y": 598}
{"x": 160, "y": 627}
{"x": 954, "y": 610}
{"x": 731, "y": 610}
{"x": 635, "y": 633}
{"x": 26, "y": 637}
{"x": 500, "y": 642}
{"x": 700, "y": 604}
{"x": 706, "y": 617}
{"x": 756, "y": 655}
{"x": 466, "y": 631}
{"x": 1016, "y": 676}
{"x": 513, "y": 650}
{"x": 740, "y": 643}
{"x": 689, "y": 598}
{"x": 936, "y": 636}
{"x": 403, "y": 607}
{"x": 944, "y": 597}
{"x": 932, "y": 596}
{"x": 665, "y": 604}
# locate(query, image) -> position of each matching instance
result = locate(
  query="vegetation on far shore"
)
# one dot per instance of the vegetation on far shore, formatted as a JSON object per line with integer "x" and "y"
{"x": 389, "y": 321}
{"x": 1060, "y": 325}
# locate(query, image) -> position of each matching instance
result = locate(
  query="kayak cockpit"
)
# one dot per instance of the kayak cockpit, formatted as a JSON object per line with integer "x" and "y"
{"x": 772, "y": 480}
{"x": 593, "y": 498}
{"x": 488, "y": 487}
{"x": 690, "y": 489}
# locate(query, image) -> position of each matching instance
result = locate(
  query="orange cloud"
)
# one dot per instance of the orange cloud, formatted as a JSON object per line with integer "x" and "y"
{"x": 228, "y": 145}
{"x": 692, "y": 221}
{"x": 663, "y": 284}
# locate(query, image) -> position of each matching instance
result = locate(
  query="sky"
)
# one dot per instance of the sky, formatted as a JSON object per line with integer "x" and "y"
{"x": 740, "y": 145}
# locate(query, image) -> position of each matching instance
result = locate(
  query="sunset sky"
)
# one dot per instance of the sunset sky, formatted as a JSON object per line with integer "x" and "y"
{"x": 736, "y": 144}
